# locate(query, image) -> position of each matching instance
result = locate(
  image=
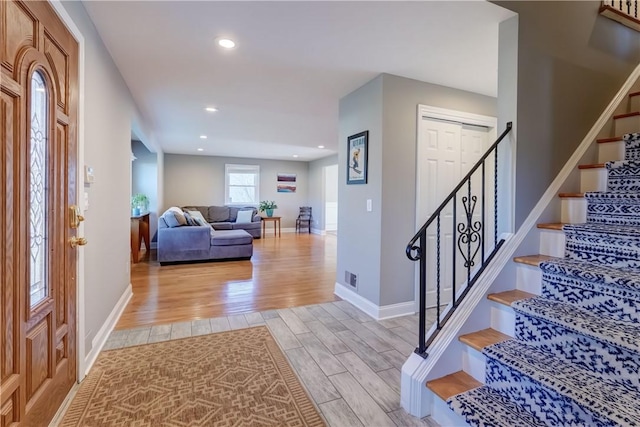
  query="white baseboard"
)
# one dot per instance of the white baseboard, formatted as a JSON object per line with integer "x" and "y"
{"x": 373, "y": 310}
{"x": 103, "y": 334}
{"x": 318, "y": 231}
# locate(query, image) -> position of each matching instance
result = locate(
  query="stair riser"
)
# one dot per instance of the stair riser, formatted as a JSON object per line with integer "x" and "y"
{"x": 594, "y": 179}
{"x": 503, "y": 319}
{"x": 614, "y": 303}
{"x": 634, "y": 103}
{"x": 621, "y": 213}
{"x": 632, "y": 147}
{"x": 552, "y": 243}
{"x": 573, "y": 210}
{"x": 627, "y": 125}
{"x": 602, "y": 249}
{"x": 624, "y": 178}
{"x": 529, "y": 279}
{"x": 610, "y": 151}
{"x": 473, "y": 363}
{"x": 534, "y": 396}
{"x": 608, "y": 361}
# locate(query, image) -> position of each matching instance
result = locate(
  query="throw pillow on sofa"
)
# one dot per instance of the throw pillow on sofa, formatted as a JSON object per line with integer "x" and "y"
{"x": 174, "y": 217}
{"x": 190, "y": 220}
{"x": 198, "y": 217}
{"x": 244, "y": 217}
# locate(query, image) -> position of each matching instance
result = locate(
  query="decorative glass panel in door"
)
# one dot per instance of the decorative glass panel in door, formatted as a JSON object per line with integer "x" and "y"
{"x": 38, "y": 197}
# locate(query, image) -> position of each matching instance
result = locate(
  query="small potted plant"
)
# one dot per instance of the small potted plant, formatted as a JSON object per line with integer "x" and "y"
{"x": 139, "y": 204}
{"x": 268, "y": 207}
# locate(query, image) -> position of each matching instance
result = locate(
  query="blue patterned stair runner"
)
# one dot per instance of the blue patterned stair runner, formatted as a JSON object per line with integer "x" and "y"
{"x": 575, "y": 359}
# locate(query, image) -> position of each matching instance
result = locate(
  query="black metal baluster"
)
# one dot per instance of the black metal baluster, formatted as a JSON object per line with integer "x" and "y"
{"x": 469, "y": 218}
{"x": 438, "y": 266}
{"x": 453, "y": 246}
{"x": 422, "y": 315}
{"x": 495, "y": 197}
{"x": 482, "y": 214}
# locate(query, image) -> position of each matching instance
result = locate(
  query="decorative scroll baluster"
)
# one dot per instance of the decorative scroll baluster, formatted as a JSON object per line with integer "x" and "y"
{"x": 468, "y": 240}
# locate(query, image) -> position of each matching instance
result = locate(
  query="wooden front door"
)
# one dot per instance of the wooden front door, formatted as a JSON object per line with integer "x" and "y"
{"x": 38, "y": 126}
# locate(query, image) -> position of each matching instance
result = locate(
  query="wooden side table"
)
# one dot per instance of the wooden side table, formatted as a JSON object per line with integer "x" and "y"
{"x": 276, "y": 225}
{"x": 139, "y": 233}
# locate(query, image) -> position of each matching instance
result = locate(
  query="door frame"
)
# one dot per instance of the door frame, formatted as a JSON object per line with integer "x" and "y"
{"x": 80, "y": 316}
{"x": 463, "y": 117}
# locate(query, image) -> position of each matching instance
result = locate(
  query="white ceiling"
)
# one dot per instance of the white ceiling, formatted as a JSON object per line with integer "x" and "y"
{"x": 278, "y": 90}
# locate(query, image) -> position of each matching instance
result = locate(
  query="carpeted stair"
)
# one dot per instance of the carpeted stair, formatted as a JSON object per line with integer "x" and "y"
{"x": 575, "y": 357}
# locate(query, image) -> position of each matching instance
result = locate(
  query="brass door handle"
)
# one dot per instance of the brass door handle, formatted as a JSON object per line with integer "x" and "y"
{"x": 74, "y": 216}
{"x": 77, "y": 241}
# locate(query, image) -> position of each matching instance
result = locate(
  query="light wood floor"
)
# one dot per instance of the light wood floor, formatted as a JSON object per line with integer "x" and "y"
{"x": 293, "y": 270}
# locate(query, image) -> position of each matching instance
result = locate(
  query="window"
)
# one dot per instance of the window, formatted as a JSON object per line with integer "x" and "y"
{"x": 38, "y": 193}
{"x": 242, "y": 185}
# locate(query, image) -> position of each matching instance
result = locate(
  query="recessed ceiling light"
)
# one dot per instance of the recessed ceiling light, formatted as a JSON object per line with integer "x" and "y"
{"x": 227, "y": 43}
{"x": 295, "y": 155}
{"x": 320, "y": 146}
{"x": 211, "y": 109}
{"x": 200, "y": 149}
{"x": 203, "y": 136}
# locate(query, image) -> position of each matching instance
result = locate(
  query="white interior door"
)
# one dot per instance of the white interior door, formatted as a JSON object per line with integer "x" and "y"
{"x": 446, "y": 152}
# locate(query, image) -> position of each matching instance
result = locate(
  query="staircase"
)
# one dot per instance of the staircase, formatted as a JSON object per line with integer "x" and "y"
{"x": 564, "y": 347}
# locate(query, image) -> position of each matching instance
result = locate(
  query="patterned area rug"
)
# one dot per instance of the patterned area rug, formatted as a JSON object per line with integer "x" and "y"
{"x": 575, "y": 357}
{"x": 236, "y": 378}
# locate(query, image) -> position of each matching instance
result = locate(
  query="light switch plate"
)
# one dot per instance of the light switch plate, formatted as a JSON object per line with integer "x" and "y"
{"x": 369, "y": 207}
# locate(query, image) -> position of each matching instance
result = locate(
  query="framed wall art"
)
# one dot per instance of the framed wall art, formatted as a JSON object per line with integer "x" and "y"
{"x": 357, "y": 158}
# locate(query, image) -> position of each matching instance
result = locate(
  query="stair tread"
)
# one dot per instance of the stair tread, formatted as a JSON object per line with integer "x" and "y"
{"x": 551, "y": 226}
{"x": 602, "y": 328}
{"x": 533, "y": 260}
{"x": 592, "y": 166}
{"x": 602, "y": 396}
{"x": 480, "y": 339}
{"x": 606, "y": 140}
{"x": 453, "y": 384}
{"x": 484, "y": 406}
{"x": 509, "y": 297}
{"x": 571, "y": 195}
{"x": 625, "y": 115}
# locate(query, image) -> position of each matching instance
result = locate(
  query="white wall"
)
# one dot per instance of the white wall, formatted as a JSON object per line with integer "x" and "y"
{"x": 108, "y": 117}
{"x": 199, "y": 180}
{"x": 317, "y": 189}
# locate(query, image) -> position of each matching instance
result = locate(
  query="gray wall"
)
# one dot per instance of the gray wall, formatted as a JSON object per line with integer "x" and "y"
{"x": 372, "y": 244}
{"x": 359, "y": 237}
{"x": 317, "y": 189}
{"x": 571, "y": 62}
{"x": 199, "y": 180}
{"x": 144, "y": 179}
{"x": 109, "y": 113}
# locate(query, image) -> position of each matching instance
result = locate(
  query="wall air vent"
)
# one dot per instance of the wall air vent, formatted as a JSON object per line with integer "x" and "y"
{"x": 351, "y": 279}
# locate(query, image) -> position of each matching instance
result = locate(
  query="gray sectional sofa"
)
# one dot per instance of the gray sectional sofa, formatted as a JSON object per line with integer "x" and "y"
{"x": 224, "y": 218}
{"x": 178, "y": 241}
